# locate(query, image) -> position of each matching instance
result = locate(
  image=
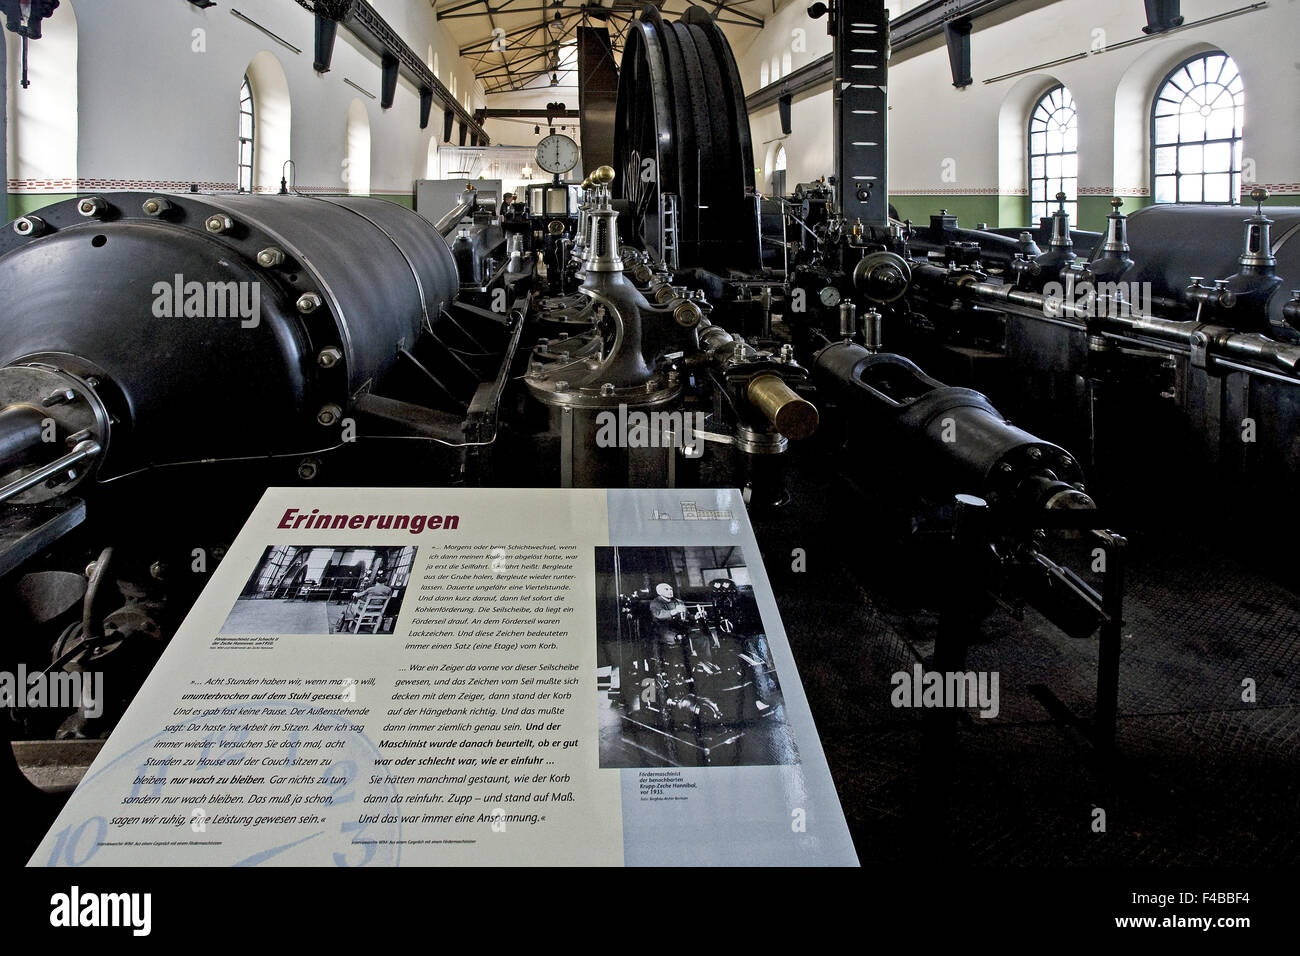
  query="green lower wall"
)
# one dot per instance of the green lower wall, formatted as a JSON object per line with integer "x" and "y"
{"x": 969, "y": 210}
{"x": 21, "y": 204}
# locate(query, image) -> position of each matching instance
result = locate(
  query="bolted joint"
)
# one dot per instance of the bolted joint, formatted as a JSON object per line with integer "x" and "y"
{"x": 308, "y": 303}
{"x": 270, "y": 257}
{"x": 329, "y": 357}
{"x": 308, "y": 468}
{"x": 218, "y": 223}
{"x": 155, "y": 206}
{"x": 29, "y": 226}
{"x": 92, "y": 206}
{"x": 329, "y": 415}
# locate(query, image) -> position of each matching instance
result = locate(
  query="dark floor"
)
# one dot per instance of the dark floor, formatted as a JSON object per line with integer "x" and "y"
{"x": 1202, "y": 778}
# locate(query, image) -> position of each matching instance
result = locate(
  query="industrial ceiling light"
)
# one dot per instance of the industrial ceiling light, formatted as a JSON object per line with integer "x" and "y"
{"x": 537, "y": 130}
{"x": 555, "y": 79}
{"x": 24, "y": 17}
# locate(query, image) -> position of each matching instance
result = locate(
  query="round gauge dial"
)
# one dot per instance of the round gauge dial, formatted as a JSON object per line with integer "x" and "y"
{"x": 557, "y": 153}
{"x": 830, "y": 296}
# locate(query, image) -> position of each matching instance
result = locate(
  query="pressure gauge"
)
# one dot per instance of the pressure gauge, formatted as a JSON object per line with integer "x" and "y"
{"x": 557, "y": 153}
{"x": 830, "y": 296}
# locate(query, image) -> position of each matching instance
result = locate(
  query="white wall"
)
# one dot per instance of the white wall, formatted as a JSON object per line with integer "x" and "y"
{"x": 158, "y": 91}
{"x": 930, "y": 121}
{"x": 42, "y": 119}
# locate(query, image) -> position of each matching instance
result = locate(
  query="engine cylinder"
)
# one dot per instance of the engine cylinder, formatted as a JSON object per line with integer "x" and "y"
{"x": 202, "y": 320}
{"x": 1171, "y": 243}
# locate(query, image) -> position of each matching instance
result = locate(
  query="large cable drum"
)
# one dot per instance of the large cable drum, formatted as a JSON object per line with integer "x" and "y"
{"x": 216, "y": 327}
{"x": 682, "y": 139}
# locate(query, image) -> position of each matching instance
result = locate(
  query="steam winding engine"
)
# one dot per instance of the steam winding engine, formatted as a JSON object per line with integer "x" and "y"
{"x": 163, "y": 359}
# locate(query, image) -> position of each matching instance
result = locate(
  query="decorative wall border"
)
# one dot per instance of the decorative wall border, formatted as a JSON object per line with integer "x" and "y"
{"x": 37, "y": 186}
{"x": 955, "y": 191}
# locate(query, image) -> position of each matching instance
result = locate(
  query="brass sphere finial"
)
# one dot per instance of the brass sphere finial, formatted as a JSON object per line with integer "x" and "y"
{"x": 603, "y": 175}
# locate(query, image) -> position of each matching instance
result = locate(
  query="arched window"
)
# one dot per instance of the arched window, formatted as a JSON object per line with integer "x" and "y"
{"x": 776, "y": 69}
{"x": 42, "y": 127}
{"x": 1196, "y": 124}
{"x": 778, "y": 172}
{"x": 272, "y": 122}
{"x": 764, "y": 77}
{"x": 785, "y": 63}
{"x": 246, "y": 127}
{"x": 358, "y": 150}
{"x": 1053, "y": 154}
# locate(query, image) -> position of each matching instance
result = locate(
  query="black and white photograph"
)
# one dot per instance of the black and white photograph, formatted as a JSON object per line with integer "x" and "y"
{"x": 315, "y": 589}
{"x": 685, "y": 674}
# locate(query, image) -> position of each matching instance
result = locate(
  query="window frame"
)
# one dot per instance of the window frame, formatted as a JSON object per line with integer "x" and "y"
{"x": 1049, "y": 200}
{"x": 250, "y": 140}
{"x": 1236, "y": 143}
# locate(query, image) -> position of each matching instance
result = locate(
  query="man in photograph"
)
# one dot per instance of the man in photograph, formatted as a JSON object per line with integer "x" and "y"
{"x": 358, "y": 603}
{"x": 672, "y": 621}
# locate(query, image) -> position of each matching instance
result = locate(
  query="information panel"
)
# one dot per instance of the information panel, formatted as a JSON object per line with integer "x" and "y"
{"x": 382, "y": 677}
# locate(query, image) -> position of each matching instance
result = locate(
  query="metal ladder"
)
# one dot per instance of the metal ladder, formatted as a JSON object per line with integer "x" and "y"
{"x": 668, "y": 228}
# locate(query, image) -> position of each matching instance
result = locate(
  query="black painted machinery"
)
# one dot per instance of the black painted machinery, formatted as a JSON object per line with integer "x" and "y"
{"x": 160, "y": 353}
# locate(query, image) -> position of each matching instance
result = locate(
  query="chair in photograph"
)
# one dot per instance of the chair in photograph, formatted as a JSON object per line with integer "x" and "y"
{"x": 371, "y": 615}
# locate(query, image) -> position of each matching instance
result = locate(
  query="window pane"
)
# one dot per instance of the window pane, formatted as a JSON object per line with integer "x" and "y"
{"x": 1190, "y": 159}
{"x": 1191, "y": 127}
{"x": 1218, "y": 157}
{"x": 1070, "y": 164}
{"x": 1165, "y": 189}
{"x": 1218, "y": 187}
{"x": 1038, "y": 190}
{"x": 1038, "y": 143}
{"x": 1054, "y": 166}
{"x": 1219, "y": 125}
{"x": 1037, "y": 167}
{"x": 1189, "y": 189}
{"x": 1166, "y": 160}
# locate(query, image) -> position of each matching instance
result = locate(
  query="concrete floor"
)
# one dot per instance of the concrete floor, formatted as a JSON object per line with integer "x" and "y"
{"x": 1202, "y": 777}
{"x": 271, "y": 616}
